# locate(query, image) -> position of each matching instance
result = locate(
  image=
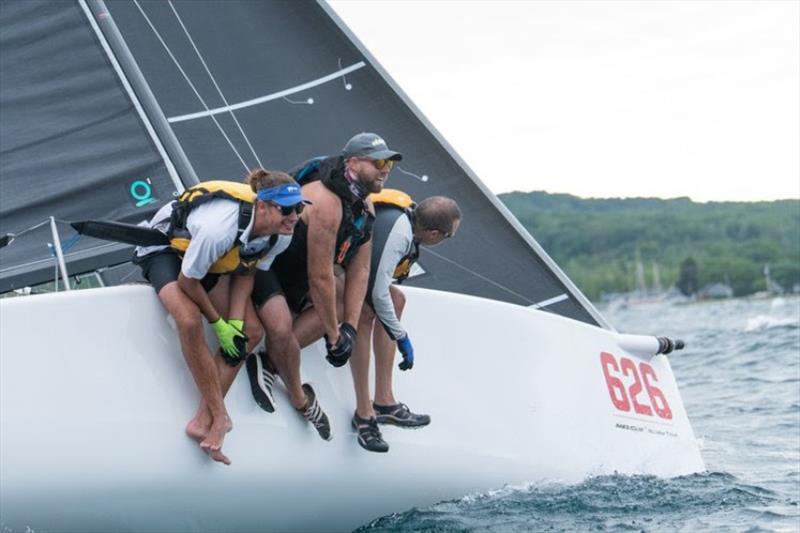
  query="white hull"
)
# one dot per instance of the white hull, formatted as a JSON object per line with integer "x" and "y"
{"x": 94, "y": 394}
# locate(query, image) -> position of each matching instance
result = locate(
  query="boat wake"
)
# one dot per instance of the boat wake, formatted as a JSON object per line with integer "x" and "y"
{"x": 694, "y": 502}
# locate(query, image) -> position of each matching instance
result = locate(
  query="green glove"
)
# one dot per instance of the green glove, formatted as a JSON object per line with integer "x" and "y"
{"x": 231, "y": 339}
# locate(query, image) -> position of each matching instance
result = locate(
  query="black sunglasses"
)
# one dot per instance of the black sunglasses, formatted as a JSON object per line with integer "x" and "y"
{"x": 287, "y": 210}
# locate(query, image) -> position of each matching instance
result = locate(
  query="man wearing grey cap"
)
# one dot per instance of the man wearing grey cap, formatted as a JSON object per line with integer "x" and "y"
{"x": 330, "y": 251}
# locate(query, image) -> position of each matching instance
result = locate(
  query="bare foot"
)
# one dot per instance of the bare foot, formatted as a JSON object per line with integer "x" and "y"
{"x": 197, "y": 428}
{"x": 218, "y": 456}
{"x": 216, "y": 434}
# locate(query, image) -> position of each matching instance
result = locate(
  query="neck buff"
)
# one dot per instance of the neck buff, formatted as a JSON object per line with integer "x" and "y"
{"x": 355, "y": 187}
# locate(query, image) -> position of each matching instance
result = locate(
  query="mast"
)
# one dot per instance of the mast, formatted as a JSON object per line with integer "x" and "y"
{"x": 140, "y": 93}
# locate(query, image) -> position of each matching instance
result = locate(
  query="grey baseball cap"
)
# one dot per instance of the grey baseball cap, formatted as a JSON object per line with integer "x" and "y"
{"x": 369, "y": 145}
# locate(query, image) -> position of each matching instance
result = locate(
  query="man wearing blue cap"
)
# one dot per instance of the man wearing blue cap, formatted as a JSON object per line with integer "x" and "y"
{"x": 330, "y": 249}
{"x": 218, "y": 228}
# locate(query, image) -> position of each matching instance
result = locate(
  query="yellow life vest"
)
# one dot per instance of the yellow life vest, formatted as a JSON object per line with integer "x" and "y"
{"x": 179, "y": 236}
{"x": 392, "y": 197}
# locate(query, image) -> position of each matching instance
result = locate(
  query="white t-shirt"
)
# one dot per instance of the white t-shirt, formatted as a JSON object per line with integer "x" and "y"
{"x": 213, "y": 227}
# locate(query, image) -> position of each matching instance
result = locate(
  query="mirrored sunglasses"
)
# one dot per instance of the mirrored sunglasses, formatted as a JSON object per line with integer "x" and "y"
{"x": 380, "y": 164}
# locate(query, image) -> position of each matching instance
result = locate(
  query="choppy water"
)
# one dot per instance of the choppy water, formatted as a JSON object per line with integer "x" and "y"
{"x": 740, "y": 381}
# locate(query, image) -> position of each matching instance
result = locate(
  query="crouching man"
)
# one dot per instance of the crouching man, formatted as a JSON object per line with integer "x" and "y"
{"x": 399, "y": 229}
{"x": 329, "y": 254}
{"x": 218, "y": 228}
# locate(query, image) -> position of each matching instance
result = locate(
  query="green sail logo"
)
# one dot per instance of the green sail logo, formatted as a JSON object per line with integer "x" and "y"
{"x": 142, "y": 192}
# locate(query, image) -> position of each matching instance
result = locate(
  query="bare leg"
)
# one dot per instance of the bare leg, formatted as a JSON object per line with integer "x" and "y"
{"x": 384, "y": 348}
{"x": 359, "y": 363}
{"x": 199, "y": 359}
{"x": 199, "y": 425}
{"x": 308, "y": 327}
{"x": 284, "y": 350}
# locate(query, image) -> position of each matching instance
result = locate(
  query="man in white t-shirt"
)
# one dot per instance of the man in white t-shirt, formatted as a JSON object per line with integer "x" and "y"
{"x": 221, "y": 240}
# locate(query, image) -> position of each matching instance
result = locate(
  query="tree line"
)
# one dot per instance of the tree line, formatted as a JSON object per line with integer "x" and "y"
{"x": 598, "y": 241}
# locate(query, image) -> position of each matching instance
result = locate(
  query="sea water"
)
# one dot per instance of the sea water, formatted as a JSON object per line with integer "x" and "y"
{"x": 740, "y": 381}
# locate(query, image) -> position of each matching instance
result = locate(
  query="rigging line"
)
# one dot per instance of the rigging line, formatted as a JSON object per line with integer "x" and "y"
{"x": 484, "y": 278}
{"x": 68, "y": 255}
{"x": 422, "y": 178}
{"x": 26, "y": 230}
{"x": 186, "y": 77}
{"x": 216, "y": 85}
{"x": 266, "y": 98}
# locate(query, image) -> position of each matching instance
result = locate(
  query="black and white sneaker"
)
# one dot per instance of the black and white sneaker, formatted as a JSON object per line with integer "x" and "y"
{"x": 262, "y": 378}
{"x": 400, "y": 415}
{"x": 314, "y": 413}
{"x": 369, "y": 436}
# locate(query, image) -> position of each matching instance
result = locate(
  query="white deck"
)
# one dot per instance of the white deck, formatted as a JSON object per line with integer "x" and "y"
{"x": 94, "y": 394}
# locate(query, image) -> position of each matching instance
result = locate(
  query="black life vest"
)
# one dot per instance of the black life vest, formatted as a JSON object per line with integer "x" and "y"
{"x": 356, "y": 226}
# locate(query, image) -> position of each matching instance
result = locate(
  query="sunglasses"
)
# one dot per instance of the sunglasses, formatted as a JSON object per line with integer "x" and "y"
{"x": 287, "y": 210}
{"x": 380, "y": 164}
{"x": 445, "y": 234}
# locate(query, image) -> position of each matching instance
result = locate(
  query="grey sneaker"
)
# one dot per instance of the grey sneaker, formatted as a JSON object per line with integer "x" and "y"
{"x": 400, "y": 415}
{"x": 314, "y": 413}
{"x": 262, "y": 378}
{"x": 369, "y": 436}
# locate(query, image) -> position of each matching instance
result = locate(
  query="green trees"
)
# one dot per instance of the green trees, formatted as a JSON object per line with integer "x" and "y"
{"x": 596, "y": 240}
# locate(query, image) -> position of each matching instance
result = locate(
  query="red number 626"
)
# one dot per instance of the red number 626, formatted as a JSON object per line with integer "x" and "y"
{"x": 623, "y": 398}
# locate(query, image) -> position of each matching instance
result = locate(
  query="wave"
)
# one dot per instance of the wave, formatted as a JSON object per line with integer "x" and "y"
{"x": 762, "y": 322}
{"x": 698, "y": 501}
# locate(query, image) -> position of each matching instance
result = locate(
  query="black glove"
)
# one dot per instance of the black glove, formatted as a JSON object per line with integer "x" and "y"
{"x": 339, "y": 353}
{"x": 241, "y": 347}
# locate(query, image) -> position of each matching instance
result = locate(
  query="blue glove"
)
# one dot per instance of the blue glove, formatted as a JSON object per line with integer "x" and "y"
{"x": 404, "y": 345}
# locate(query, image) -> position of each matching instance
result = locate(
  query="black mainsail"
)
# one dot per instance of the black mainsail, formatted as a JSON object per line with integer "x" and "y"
{"x": 242, "y": 84}
{"x": 74, "y": 141}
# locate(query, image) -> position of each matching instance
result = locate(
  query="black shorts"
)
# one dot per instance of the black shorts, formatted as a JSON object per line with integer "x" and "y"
{"x": 291, "y": 284}
{"x": 161, "y": 268}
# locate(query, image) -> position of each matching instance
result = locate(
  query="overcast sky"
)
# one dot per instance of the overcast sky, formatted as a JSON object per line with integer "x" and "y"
{"x": 603, "y": 99}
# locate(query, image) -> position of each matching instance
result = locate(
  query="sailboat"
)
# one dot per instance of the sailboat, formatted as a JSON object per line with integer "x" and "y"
{"x": 109, "y": 110}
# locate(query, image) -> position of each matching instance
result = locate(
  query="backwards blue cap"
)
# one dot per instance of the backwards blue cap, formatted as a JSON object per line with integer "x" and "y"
{"x": 286, "y": 194}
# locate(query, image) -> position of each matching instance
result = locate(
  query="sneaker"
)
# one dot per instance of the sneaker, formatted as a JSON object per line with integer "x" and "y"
{"x": 400, "y": 415}
{"x": 369, "y": 436}
{"x": 314, "y": 413}
{"x": 262, "y": 378}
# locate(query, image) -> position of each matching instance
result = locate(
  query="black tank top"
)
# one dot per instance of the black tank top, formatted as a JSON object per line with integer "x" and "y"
{"x": 356, "y": 225}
